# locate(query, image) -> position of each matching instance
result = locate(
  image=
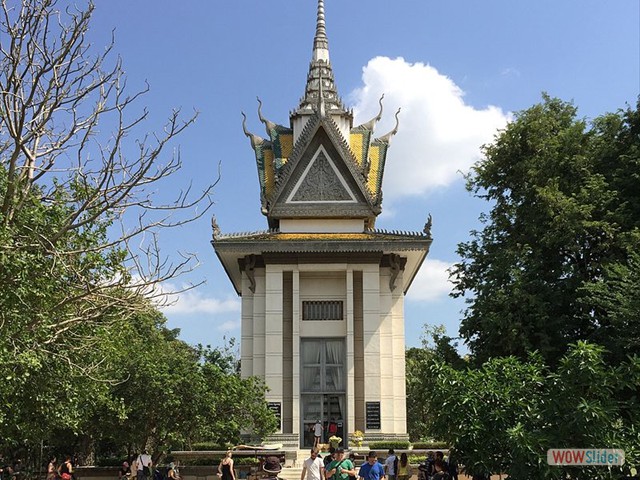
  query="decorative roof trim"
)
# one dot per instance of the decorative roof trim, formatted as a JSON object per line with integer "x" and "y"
{"x": 267, "y": 123}
{"x": 386, "y": 139}
{"x": 371, "y": 123}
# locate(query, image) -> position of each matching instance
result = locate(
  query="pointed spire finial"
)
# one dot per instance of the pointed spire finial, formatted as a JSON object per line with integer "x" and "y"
{"x": 321, "y": 42}
{"x": 320, "y": 65}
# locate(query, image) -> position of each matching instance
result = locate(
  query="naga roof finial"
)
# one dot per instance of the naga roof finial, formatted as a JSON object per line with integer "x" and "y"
{"x": 267, "y": 123}
{"x": 255, "y": 139}
{"x": 387, "y": 138}
{"x": 371, "y": 123}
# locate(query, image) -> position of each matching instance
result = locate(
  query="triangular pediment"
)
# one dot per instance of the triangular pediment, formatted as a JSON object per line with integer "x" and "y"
{"x": 321, "y": 179}
{"x": 321, "y": 182}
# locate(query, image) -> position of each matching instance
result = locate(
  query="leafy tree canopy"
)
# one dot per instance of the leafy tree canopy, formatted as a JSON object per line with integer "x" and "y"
{"x": 556, "y": 261}
{"x": 504, "y": 416}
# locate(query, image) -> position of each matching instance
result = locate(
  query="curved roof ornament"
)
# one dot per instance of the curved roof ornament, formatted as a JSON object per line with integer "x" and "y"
{"x": 371, "y": 123}
{"x": 255, "y": 139}
{"x": 387, "y": 138}
{"x": 267, "y": 123}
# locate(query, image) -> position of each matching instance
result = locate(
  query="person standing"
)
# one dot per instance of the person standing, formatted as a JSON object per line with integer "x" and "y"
{"x": 441, "y": 473}
{"x": 371, "y": 470}
{"x": 340, "y": 468}
{"x": 225, "y": 469}
{"x": 66, "y": 468}
{"x": 391, "y": 465}
{"x": 317, "y": 433}
{"x": 313, "y": 467}
{"x": 144, "y": 463}
{"x": 404, "y": 469}
{"x": 52, "y": 469}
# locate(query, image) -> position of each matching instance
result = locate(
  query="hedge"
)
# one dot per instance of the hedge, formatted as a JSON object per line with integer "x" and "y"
{"x": 386, "y": 444}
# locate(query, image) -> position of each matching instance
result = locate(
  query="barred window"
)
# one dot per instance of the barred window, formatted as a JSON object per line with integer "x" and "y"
{"x": 322, "y": 310}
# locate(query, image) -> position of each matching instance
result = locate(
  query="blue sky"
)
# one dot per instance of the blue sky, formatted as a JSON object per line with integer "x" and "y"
{"x": 457, "y": 68}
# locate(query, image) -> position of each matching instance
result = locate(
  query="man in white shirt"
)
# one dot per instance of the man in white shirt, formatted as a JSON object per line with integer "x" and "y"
{"x": 313, "y": 468}
{"x": 144, "y": 466}
{"x": 390, "y": 465}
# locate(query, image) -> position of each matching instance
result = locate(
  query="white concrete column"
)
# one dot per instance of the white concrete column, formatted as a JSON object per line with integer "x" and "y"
{"x": 246, "y": 329}
{"x": 387, "y": 372}
{"x": 350, "y": 366}
{"x": 273, "y": 333}
{"x": 371, "y": 333}
{"x": 296, "y": 351}
{"x": 258, "y": 324}
{"x": 399, "y": 367}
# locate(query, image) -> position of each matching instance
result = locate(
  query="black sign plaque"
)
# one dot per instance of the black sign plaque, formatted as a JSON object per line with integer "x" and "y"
{"x": 276, "y": 408}
{"x": 373, "y": 416}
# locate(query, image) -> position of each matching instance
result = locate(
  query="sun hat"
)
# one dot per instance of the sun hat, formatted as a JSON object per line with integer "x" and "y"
{"x": 272, "y": 465}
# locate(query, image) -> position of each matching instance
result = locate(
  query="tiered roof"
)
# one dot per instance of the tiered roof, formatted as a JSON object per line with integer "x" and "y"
{"x": 357, "y": 157}
{"x": 323, "y": 177}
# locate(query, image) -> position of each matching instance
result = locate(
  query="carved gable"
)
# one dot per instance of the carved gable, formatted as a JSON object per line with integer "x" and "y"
{"x": 321, "y": 180}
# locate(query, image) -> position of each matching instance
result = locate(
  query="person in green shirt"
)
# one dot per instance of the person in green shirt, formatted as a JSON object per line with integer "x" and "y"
{"x": 340, "y": 468}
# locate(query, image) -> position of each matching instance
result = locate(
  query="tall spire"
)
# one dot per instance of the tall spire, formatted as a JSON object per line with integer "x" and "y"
{"x": 320, "y": 71}
{"x": 321, "y": 42}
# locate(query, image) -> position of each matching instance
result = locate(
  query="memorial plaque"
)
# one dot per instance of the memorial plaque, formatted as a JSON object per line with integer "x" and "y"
{"x": 276, "y": 408}
{"x": 373, "y": 416}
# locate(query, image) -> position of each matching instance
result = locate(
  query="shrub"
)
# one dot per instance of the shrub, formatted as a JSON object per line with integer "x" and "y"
{"x": 207, "y": 446}
{"x": 431, "y": 444}
{"x": 386, "y": 444}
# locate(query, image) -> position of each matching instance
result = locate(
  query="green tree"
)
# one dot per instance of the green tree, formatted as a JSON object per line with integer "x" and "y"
{"x": 504, "y": 416}
{"x": 437, "y": 347}
{"x": 563, "y": 222}
{"x": 78, "y": 215}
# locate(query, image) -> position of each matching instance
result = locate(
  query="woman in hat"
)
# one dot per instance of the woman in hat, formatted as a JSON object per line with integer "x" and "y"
{"x": 272, "y": 466}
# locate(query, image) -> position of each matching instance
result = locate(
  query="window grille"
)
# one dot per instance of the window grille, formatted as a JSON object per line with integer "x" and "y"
{"x": 322, "y": 310}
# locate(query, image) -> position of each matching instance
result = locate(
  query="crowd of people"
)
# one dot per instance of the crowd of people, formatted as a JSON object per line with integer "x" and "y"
{"x": 142, "y": 468}
{"x": 336, "y": 467}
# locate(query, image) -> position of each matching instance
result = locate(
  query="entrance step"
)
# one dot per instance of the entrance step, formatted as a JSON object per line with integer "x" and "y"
{"x": 291, "y": 473}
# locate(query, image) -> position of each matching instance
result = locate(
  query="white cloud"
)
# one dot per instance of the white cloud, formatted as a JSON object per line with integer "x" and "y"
{"x": 229, "y": 325}
{"x": 439, "y": 134}
{"x": 431, "y": 283}
{"x": 195, "y": 302}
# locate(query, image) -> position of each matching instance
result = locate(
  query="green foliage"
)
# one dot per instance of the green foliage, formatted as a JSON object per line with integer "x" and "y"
{"x": 430, "y": 445}
{"x": 386, "y": 444}
{"x": 509, "y": 412}
{"x": 562, "y": 229}
{"x": 437, "y": 347}
{"x": 208, "y": 446}
{"x": 86, "y": 360}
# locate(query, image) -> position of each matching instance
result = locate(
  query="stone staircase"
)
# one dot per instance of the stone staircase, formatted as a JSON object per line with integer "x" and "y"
{"x": 291, "y": 473}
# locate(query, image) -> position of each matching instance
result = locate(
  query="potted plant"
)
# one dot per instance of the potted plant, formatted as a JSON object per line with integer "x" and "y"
{"x": 357, "y": 437}
{"x": 334, "y": 441}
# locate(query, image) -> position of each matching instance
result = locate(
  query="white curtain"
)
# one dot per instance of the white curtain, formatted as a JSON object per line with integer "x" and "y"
{"x": 335, "y": 356}
{"x": 311, "y": 366}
